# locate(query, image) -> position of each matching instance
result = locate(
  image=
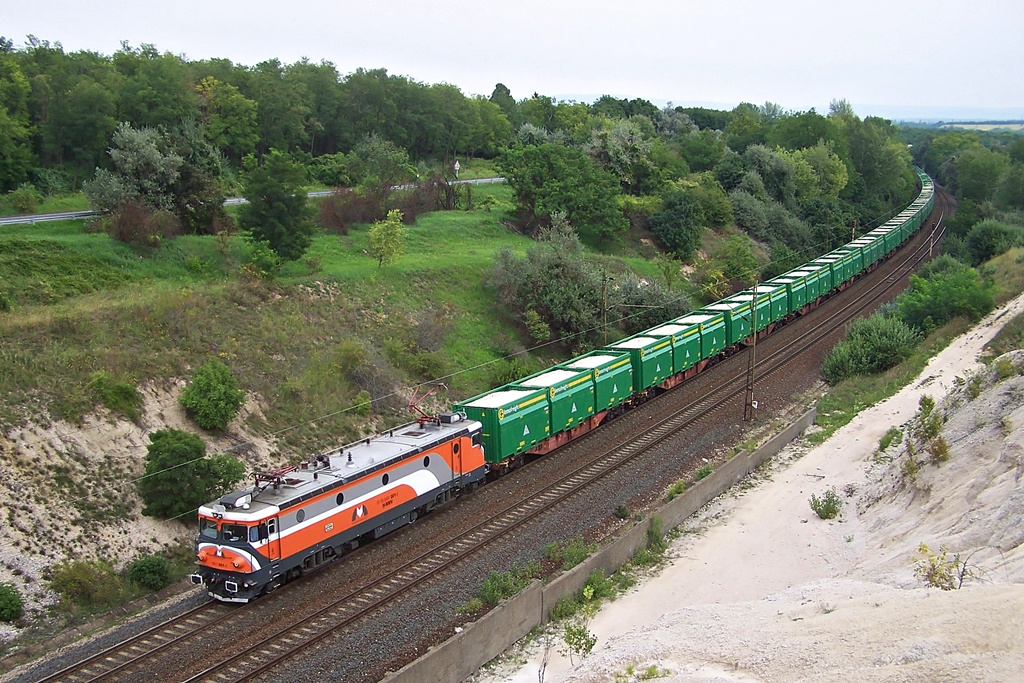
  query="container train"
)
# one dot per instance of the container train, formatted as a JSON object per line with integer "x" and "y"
{"x": 296, "y": 518}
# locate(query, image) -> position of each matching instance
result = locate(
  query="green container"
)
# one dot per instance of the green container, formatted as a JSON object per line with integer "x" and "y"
{"x": 737, "y": 318}
{"x": 651, "y": 359}
{"x": 711, "y": 325}
{"x": 612, "y": 375}
{"x": 796, "y": 289}
{"x": 778, "y": 294}
{"x": 685, "y": 343}
{"x": 570, "y": 394}
{"x": 763, "y": 305}
{"x": 826, "y": 275}
{"x": 811, "y": 279}
{"x": 514, "y": 420}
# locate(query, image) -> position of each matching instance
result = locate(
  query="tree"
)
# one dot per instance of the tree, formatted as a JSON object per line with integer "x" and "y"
{"x": 15, "y": 149}
{"x": 678, "y": 224}
{"x": 179, "y": 477}
{"x": 549, "y": 178}
{"x": 277, "y": 211}
{"x": 387, "y": 238}
{"x": 978, "y": 171}
{"x": 229, "y": 118}
{"x": 990, "y": 238}
{"x": 143, "y": 171}
{"x": 213, "y": 398}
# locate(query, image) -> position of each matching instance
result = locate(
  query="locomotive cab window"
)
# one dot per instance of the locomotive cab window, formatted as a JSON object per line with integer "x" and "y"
{"x": 254, "y": 534}
{"x": 208, "y": 528}
{"x": 234, "y": 532}
{"x": 478, "y": 439}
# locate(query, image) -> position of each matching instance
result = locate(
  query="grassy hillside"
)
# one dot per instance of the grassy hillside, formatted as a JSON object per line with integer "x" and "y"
{"x": 332, "y": 324}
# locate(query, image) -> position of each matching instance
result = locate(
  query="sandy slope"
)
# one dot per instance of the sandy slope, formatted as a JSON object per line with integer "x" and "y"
{"x": 766, "y": 591}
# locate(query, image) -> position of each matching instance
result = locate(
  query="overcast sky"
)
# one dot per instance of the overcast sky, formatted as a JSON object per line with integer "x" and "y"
{"x": 884, "y": 56}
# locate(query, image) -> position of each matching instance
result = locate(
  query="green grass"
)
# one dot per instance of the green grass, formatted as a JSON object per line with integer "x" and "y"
{"x": 81, "y": 303}
{"x": 75, "y": 202}
{"x": 849, "y": 397}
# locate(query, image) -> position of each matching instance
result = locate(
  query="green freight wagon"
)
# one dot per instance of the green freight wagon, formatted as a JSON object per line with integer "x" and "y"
{"x": 812, "y": 282}
{"x": 570, "y": 395}
{"x": 685, "y": 343}
{"x": 737, "y": 318}
{"x": 796, "y": 289}
{"x": 612, "y": 376}
{"x": 514, "y": 420}
{"x": 778, "y": 294}
{"x": 712, "y": 331}
{"x": 827, "y": 276}
{"x": 651, "y": 358}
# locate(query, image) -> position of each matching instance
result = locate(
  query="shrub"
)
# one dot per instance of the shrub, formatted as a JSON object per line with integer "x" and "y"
{"x": 575, "y": 551}
{"x": 362, "y": 403}
{"x": 704, "y": 472}
{"x": 179, "y": 477}
{"x": 891, "y": 436}
{"x": 621, "y": 511}
{"x": 117, "y": 396}
{"x": 213, "y": 398}
{"x": 939, "y": 450}
{"x": 676, "y": 489}
{"x": 12, "y": 607}
{"x": 25, "y": 199}
{"x": 152, "y": 572}
{"x": 85, "y": 584}
{"x": 500, "y": 585}
{"x": 990, "y": 238}
{"x": 263, "y": 262}
{"x": 678, "y": 224}
{"x": 656, "y": 542}
{"x": 871, "y": 345}
{"x": 828, "y": 506}
{"x": 137, "y": 224}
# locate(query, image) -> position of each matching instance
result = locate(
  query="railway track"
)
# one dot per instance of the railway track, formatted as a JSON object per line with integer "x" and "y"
{"x": 131, "y": 657}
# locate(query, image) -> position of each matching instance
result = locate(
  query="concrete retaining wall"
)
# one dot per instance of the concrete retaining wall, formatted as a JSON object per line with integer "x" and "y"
{"x": 461, "y": 655}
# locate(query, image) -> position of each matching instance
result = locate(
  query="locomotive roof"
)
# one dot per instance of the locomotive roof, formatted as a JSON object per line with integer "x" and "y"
{"x": 292, "y": 485}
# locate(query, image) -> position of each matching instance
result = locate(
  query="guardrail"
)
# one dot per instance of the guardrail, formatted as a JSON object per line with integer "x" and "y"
{"x": 231, "y": 201}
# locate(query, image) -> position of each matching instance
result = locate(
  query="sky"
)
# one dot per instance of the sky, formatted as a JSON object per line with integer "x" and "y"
{"x": 896, "y": 58}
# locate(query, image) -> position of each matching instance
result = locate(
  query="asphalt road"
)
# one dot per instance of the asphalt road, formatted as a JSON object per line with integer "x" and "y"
{"x": 233, "y": 201}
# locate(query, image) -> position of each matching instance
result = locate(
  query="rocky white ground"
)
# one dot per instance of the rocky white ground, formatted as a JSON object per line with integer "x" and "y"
{"x": 67, "y": 491}
{"x": 764, "y": 590}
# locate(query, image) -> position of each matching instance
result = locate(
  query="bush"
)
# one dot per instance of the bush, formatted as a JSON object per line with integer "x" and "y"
{"x": 117, "y": 396}
{"x": 137, "y": 224}
{"x": 500, "y": 585}
{"x": 151, "y": 572}
{"x": 828, "y": 506}
{"x": 25, "y": 199}
{"x": 263, "y": 262}
{"x": 12, "y": 607}
{"x": 85, "y": 584}
{"x": 871, "y": 345}
{"x": 363, "y": 403}
{"x": 704, "y": 472}
{"x": 678, "y": 224}
{"x": 936, "y": 299}
{"x": 894, "y": 435}
{"x": 676, "y": 489}
{"x": 179, "y": 477}
{"x": 213, "y": 398}
{"x": 990, "y": 238}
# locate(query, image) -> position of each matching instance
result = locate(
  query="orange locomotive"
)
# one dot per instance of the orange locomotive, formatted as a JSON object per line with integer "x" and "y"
{"x": 298, "y": 517}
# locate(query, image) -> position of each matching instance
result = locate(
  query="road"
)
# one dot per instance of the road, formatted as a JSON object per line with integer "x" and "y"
{"x": 233, "y": 201}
